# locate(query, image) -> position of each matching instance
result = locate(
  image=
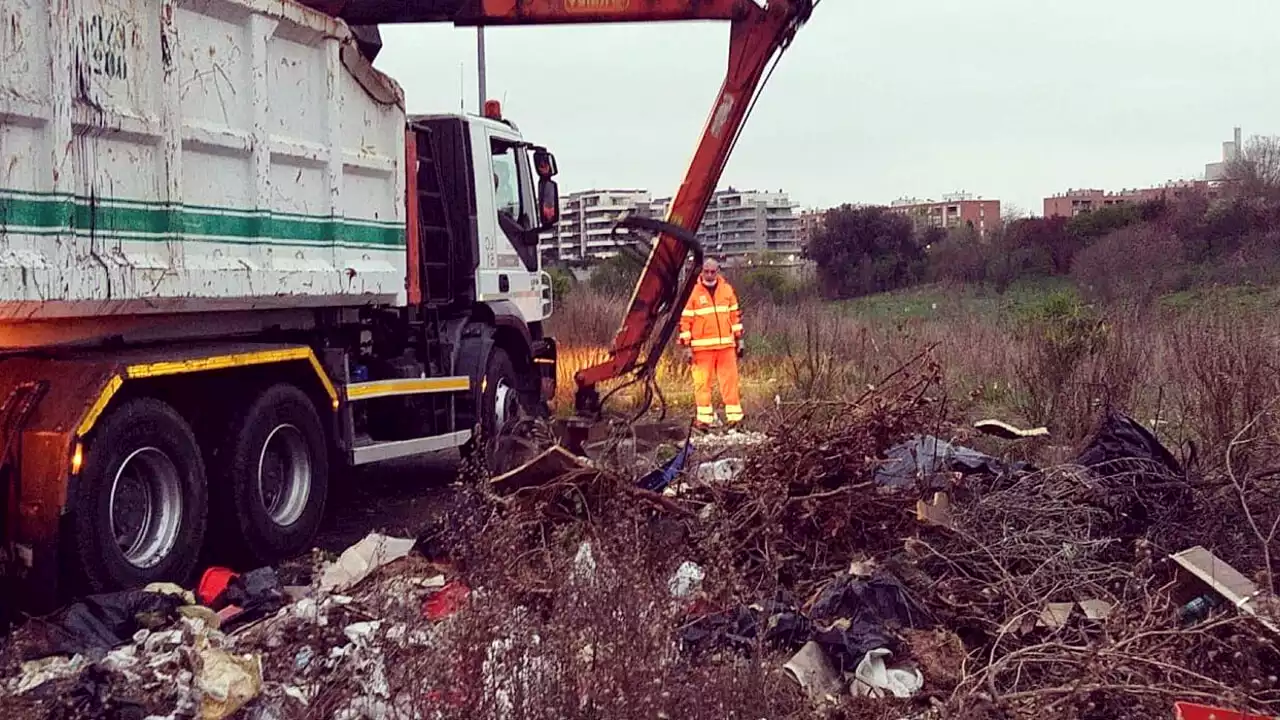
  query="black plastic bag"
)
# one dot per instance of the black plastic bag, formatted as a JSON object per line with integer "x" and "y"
{"x": 95, "y": 625}
{"x": 855, "y": 614}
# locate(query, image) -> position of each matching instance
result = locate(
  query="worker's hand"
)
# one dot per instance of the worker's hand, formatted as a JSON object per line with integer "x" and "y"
{"x": 686, "y": 354}
{"x": 742, "y": 347}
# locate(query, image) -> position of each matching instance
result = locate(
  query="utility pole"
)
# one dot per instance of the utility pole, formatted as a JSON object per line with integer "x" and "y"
{"x": 484, "y": 91}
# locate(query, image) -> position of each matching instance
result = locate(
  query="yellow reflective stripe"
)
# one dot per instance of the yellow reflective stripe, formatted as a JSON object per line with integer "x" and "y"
{"x": 733, "y": 409}
{"x": 213, "y": 362}
{"x": 406, "y": 386}
{"x": 736, "y": 327}
{"x": 708, "y": 342}
{"x": 710, "y": 310}
{"x": 686, "y": 335}
{"x": 234, "y": 360}
{"x": 733, "y": 307}
{"x": 108, "y": 392}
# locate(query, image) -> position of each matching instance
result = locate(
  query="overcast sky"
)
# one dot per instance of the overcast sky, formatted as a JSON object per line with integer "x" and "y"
{"x": 879, "y": 99}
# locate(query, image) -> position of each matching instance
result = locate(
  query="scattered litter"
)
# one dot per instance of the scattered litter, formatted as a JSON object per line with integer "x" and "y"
{"x": 357, "y": 561}
{"x": 874, "y": 678}
{"x": 1004, "y": 430}
{"x": 1095, "y": 609}
{"x": 37, "y": 672}
{"x": 1194, "y": 711}
{"x": 720, "y": 471}
{"x": 227, "y": 681}
{"x": 687, "y": 579}
{"x": 584, "y": 563}
{"x": 660, "y": 479}
{"x": 359, "y": 633}
{"x": 1229, "y": 583}
{"x": 1122, "y": 441}
{"x": 446, "y": 602}
{"x": 1055, "y": 615}
{"x": 812, "y": 669}
{"x": 936, "y": 513}
{"x": 924, "y": 457}
{"x": 99, "y": 623}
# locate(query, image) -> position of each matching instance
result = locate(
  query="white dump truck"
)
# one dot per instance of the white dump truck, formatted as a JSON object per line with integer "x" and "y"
{"x": 230, "y": 264}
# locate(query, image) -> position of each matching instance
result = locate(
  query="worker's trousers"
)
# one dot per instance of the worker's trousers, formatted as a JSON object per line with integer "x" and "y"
{"x": 721, "y": 363}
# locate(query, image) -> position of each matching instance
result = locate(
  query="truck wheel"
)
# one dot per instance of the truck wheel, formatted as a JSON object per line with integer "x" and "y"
{"x": 499, "y": 404}
{"x": 273, "y": 476}
{"x": 140, "y": 505}
{"x": 501, "y": 397}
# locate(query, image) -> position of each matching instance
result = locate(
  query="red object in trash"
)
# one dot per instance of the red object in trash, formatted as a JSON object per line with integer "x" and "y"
{"x": 446, "y": 601}
{"x": 1192, "y": 711}
{"x": 213, "y": 582}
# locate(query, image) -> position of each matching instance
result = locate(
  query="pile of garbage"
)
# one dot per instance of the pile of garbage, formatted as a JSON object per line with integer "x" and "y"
{"x": 889, "y": 570}
{"x": 857, "y": 559}
{"x": 242, "y": 645}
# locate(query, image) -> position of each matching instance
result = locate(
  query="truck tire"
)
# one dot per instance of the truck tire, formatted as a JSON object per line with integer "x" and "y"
{"x": 499, "y": 399}
{"x": 140, "y": 503}
{"x": 272, "y": 477}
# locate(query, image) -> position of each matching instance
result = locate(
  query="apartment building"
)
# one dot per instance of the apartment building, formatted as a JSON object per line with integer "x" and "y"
{"x": 810, "y": 223}
{"x": 952, "y": 211}
{"x": 746, "y": 222}
{"x": 1076, "y": 200}
{"x": 1079, "y": 200}
{"x": 586, "y": 222}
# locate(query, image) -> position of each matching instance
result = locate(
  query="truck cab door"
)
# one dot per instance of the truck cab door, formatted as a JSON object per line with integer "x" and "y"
{"x": 507, "y": 218}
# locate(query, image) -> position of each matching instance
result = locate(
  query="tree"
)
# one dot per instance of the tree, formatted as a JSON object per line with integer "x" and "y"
{"x": 1255, "y": 172}
{"x": 859, "y": 251}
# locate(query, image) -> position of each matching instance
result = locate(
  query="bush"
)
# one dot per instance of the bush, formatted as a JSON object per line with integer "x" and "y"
{"x": 959, "y": 257}
{"x": 617, "y": 275}
{"x": 1061, "y": 334}
{"x": 1136, "y": 264}
{"x": 562, "y": 282}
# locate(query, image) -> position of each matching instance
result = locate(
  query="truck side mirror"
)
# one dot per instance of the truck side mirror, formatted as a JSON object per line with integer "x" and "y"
{"x": 548, "y": 203}
{"x": 544, "y": 163}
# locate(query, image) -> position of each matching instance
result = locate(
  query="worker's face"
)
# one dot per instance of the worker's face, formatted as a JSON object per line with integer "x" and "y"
{"x": 709, "y": 275}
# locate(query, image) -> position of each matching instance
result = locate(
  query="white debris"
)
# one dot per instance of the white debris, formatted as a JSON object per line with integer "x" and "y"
{"x": 357, "y": 561}
{"x": 722, "y": 470}
{"x": 38, "y": 672}
{"x": 874, "y": 679}
{"x": 687, "y": 579}
{"x": 360, "y": 633}
{"x": 584, "y": 563}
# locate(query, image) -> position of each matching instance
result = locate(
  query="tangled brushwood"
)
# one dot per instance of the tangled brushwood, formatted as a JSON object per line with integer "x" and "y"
{"x": 1042, "y": 593}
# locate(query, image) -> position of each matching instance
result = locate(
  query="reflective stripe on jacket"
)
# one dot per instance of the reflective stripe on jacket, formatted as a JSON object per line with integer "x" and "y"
{"x": 711, "y": 320}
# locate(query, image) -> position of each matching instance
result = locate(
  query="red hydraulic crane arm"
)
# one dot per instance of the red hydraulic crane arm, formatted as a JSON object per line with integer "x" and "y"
{"x": 759, "y": 31}
{"x": 756, "y": 36}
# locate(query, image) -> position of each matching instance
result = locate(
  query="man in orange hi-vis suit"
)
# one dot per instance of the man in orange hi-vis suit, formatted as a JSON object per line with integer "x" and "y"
{"x": 711, "y": 328}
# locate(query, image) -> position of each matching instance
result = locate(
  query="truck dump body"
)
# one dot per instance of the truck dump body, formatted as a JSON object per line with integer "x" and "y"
{"x": 176, "y": 156}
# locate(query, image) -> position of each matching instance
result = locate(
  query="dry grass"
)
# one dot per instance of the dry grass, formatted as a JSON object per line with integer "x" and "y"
{"x": 1198, "y": 375}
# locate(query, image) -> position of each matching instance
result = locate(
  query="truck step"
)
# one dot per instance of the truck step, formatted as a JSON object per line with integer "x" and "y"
{"x": 366, "y": 451}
